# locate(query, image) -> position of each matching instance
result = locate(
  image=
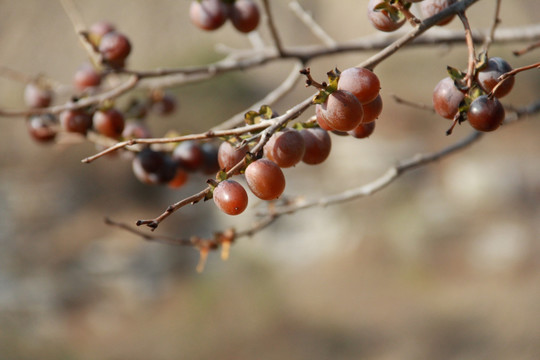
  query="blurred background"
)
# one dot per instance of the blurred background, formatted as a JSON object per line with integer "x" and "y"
{"x": 443, "y": 264}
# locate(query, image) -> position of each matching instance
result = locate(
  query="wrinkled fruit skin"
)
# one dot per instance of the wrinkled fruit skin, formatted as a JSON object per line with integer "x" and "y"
{"x": 341, "y": 111}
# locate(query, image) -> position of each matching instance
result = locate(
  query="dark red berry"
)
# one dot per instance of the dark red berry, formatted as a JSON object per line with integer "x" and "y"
{"x": 42, "y": 128}
{"x": 76, "y": 121}
{"x": 363, "y": 130}
{"x": 488, "y": 77}
{"x": 109, "y": 122}
{"x": 380, "y": 19}
{"x": 86, "y": 77}
{"x": 230, "y": 197}
{"x": 265, "y": 179}
{"x": 189, "y": 155}
{"x": 318, "y": 145}
{"x": 37, "y": 96}
{"x": 446, "y": 98}
{"x": 114, "y": 47}
{"x": 341, "y": 111}
{"x": 230, "y": 155}
{"x": 285, "y": 148}
{"x": 208, "y": 14}
{"x": 361, "y": 82}
{"x": 485, "y": 114}
{"x": 244, "y": 15}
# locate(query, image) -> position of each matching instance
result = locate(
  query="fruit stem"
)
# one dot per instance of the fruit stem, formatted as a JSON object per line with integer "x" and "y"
{"x": 311, "y": 82}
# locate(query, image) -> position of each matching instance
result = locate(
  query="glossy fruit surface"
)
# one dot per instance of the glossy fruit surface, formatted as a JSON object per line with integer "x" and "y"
{"x": 42, "y": 128}
{"x": 285, "y": 148}
{"x": 265, "y": 179}
{"x": 432, "y": 7}
{"x": 230, "y": 197}
{"x": 318, "y": 145}
{"x": 244, "y": 15}
{"x": 362, "y": 82}
{"x": 485, "y": 114}
{"x": 488, "y": 77}
{"x": 446, "y": 98}
{"x": 109, "y": 122}
{"x": 363, "y": 130}
{"x": 229, "y": 155}
{"x": 76, "y": 121}
{"x": 381, "y": 20}
{"x": 208, "y": 14}
{"x": 341, "y": 111}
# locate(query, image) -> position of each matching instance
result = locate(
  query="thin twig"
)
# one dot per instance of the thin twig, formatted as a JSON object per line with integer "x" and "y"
{"x": 311, "y": 24}
{"x": 273, "y": 28}
{"x": 121, "y": 89}
{"x": 526, "y": 49}
{"x": 513, "y": 72}
{"x": 412, "y": 104}
{"x": 471, "y": 63}
{"x": 496, "y": 22}
{"x": 284, "y": 88}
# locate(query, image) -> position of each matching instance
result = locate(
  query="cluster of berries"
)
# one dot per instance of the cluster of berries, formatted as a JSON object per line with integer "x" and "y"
{"x": 453, "y": 99}
{"x": 388, "y": 15}
{"x": 212, "y": 14}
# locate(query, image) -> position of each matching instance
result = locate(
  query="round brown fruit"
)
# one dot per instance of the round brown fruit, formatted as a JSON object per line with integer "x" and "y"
{"x": 318, "y": 145}
{"x": 230, "y": 197}
{"x": 265, "y": 179}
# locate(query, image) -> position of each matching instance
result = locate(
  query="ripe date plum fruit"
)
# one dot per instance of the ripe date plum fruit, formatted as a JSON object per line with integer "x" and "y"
{"x": 210, "y": 154}
{"x": 341, "y": 111}
{"x": 154, "y": 167}
{"x": 37, "y": 96}
{"x": 381, "y": 20}
{"x": 488, "y": 77}
{"x": 265, "y": 179}
{"x": 230, "y": 197}
{"x": 208, "y": 14}
{"x": 485, "y": 114}
{"x": 76, "y": 121}
{"x": 432, "y": 7}
{"x": 363, "y": 130}
{"x": 229, "y": 155}
{"x": 361, "y": 82}
{"x": 86, "y": 77}
{"x": 189, "y": 155}
{"x": 42, "y": 127}
{"x": 318, "y": 145}
{"x": 285, "y": 148}
{"x": 446, "y": 98}
{"x": 109, "y": 122}
{"x": 115, "y": 48}
{"x": 372, "y": 110}
{"x": 244, "y": 15}
{"x": 136, "y": 129}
